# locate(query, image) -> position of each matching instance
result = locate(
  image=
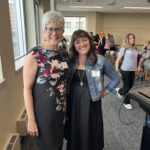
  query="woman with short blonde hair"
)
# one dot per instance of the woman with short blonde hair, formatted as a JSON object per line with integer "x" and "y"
{"x": 44, "y": 78}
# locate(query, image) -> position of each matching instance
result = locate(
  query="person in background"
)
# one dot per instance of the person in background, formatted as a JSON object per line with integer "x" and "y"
{"x": 101, "y": 43}
{"x": 91, "y": 34}
{"x": 95, "y": 41}
{"x": 44, "y": 77}
{"x": 112, "y": 43}
{"x": 96, "y": 38}
{"x": 144, "y": 62}
{"x": 145, "y": 46}
{"x": 84, "y": 127}
{"x": 107, "y": 43}
{"x": 128, "y": 67}
{"x": 63, "y": 44}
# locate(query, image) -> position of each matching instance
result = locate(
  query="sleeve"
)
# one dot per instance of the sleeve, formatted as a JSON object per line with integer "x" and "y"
{"x": 112, "y": 74}
{"x": 121, "y": 51}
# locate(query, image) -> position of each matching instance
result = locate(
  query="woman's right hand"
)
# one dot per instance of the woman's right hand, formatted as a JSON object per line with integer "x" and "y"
{"x": 32, "y": 128}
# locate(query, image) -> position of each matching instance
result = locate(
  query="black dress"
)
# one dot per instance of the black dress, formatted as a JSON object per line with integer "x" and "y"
{"x": 84, "y": 128}
{"x": 49, "y": 93}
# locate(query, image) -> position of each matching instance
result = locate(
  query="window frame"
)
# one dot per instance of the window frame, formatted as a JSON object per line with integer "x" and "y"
{"x": 73, "y": 19}
{"x": 1, "y": 72}
{"x": 37, "y": 20}
{"x": 21, "y": 46}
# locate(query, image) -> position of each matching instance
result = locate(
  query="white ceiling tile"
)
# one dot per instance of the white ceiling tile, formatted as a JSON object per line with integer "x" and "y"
{"x": 108, "y": 5}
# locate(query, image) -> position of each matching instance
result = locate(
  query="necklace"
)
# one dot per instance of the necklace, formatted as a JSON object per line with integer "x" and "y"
{"x": 81, "y": 77}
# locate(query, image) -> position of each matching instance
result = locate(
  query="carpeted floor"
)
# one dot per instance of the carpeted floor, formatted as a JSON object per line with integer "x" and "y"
{"x": 118, "y": 136}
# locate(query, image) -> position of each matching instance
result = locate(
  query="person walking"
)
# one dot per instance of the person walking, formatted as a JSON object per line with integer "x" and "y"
{"x": 129, "y": 54}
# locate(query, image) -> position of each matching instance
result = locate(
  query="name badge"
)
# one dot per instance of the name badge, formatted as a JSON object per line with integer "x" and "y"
{"x": 95, "y": 73}
{"x": 64, "y": 65}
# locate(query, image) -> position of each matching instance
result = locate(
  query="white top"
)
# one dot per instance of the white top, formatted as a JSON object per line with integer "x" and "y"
{"x": 130, "y": 59}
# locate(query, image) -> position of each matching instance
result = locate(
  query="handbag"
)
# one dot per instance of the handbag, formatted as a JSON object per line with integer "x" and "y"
{"x": 121, "y": 61}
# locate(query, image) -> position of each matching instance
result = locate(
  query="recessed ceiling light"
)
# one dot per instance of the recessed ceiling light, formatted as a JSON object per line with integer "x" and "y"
{"x": 85, "y": 6}
{"x": 136, "y": 7}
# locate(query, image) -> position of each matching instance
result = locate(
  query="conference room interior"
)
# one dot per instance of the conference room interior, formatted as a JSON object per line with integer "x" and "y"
{"x": 20, "y": 30}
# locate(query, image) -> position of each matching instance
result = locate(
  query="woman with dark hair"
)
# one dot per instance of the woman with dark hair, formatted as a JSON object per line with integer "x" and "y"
{"x": 84, "y": 127}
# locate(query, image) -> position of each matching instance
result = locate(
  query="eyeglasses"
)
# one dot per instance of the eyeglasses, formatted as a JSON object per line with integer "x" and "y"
{"x": 51, "y": 30}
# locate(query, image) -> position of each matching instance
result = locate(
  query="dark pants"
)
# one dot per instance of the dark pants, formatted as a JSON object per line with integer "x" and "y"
{"x": 102, "y": 51}
{"x": 128, "y": 81}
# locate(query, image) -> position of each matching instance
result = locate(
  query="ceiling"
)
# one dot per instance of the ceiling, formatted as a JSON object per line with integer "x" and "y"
{"x": 108, "y": 6}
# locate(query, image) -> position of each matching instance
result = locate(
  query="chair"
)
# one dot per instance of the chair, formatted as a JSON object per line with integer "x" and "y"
{"x": 140, "y": 75}
{"x": 147, "y": 76}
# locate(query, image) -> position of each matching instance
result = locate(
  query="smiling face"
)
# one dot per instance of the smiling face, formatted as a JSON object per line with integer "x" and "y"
{"x": 82, "y": 45}
{"x": 131, "y": 40}
{"x": 53, "y": 34}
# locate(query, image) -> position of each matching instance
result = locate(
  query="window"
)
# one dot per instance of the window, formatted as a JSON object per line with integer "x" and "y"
{"x": 18, "y": 30}
{"x": 1, "y": 73}
{"x": 79, "y": 25}
{"x": 72, "y": 24}
{"x": 67, "y": 25}
{"x": 37, "y": 23}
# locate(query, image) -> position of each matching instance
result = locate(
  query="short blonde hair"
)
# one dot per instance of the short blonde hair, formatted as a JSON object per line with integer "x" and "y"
{"x": 52, "y": 16}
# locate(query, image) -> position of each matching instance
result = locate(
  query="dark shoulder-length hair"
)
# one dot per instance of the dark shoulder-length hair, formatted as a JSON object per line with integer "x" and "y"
{"x": 91, "y": 55}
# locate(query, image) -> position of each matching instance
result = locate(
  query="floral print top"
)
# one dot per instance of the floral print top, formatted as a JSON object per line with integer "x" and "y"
{"x": 52, "y": 69}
